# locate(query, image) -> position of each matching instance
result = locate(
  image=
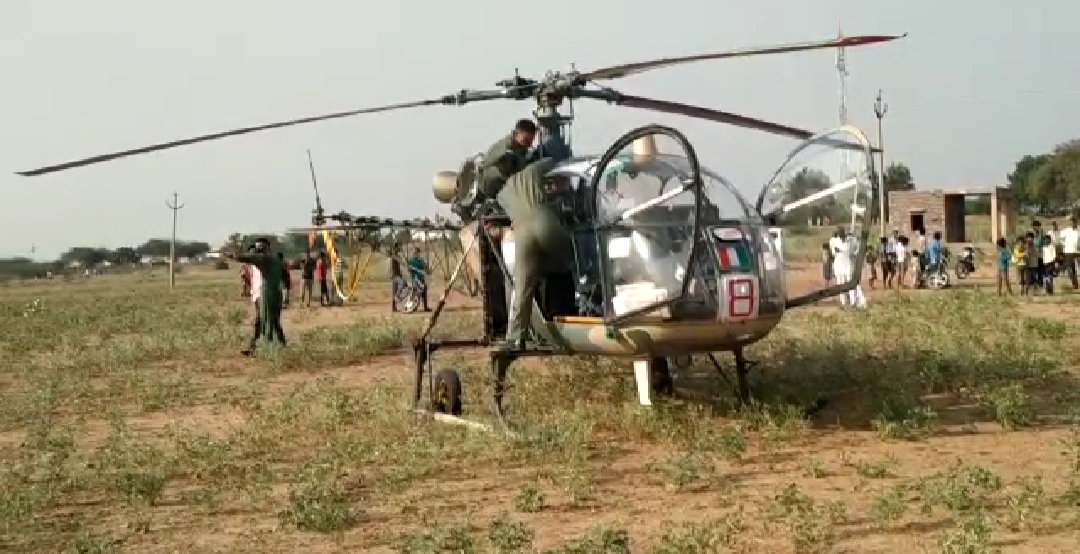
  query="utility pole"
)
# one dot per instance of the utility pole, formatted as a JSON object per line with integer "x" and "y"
{"x": 33, "y": 253}
{"x": 175, "y": 206}
{"x": 880, "y": 109}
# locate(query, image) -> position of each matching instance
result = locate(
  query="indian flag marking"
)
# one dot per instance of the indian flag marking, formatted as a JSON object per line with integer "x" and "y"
{"x": 732, "y": 257}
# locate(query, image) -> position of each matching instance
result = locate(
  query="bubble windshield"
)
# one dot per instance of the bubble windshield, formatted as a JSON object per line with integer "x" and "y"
{"x": 630, "y": 181}
{"x": 823, "y": 194}
{"x": 649, "y": 200}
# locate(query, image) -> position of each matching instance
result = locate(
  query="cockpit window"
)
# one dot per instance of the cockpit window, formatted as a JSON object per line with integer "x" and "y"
{"x": 630, "y": 181}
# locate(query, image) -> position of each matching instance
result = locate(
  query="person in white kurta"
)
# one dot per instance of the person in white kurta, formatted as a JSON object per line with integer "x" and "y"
{"x": 836, "y": 244}
{"x": 256, "y": 285}
{"x": 845, "y": 249}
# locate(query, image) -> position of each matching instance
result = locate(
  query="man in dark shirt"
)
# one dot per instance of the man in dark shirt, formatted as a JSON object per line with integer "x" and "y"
{"x": 321, "y": 270}
{"x": 397, "y": 282}
{"x": 1032, "y": 261}
{"x": 506, "y": 157}
{"x": 418, "y": 270}
{"x": 308, "y": 275}
{"x": 268, "y": 307}
{"x": 286, "y": 281}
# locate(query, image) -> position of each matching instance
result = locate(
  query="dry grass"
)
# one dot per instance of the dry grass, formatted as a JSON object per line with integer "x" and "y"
{"x": 129, "y": 423}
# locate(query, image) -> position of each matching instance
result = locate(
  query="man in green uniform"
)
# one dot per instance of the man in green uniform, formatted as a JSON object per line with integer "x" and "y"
{"x": 268, "y": 307}
{"x": 506, "y": 157}
{"x": 540, "y": 241}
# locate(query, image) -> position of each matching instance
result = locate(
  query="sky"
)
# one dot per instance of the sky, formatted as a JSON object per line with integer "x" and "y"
{"x": 976, "y": 85}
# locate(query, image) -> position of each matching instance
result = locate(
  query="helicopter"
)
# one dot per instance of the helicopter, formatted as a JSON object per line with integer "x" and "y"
{"x": 669, "y": 260}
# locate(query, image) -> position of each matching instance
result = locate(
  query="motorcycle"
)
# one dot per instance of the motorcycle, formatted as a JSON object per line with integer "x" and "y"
{"x": 965, "y": 263}
{"x": 936, "y": 276}
{"x": 932, "y": 276}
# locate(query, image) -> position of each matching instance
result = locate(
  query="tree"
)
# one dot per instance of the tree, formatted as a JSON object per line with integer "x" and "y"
{"x": 1020, "y": 178}
{"x": 154, "y": 247}
{"x": 822, "y": 212}
{"x": 1055, "y": 184}
{"x": 191, "y": 249}
{"x": 85, "y": 256}
{"x": 1048, "y": 184}
{"x": 898, "y": 177}
{"x": 125, "y": 255}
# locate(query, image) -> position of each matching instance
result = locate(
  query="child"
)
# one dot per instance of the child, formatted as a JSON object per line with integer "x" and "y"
{"x": 888, "y": 262}
{"x": 826, "y": 263}
{"x": 901, "y": 260}
{"x": 1004, "y": 257}
{"x": 872, "y": 261}
{"x": 1019, "y": 262}
{"x": 915, "y": 263}
{"x": 1032, "y": 261}
{"x": 1048, "y": 258}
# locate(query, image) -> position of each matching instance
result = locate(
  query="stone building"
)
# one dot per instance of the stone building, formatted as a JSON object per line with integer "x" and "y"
{"x": 943, "y": 210}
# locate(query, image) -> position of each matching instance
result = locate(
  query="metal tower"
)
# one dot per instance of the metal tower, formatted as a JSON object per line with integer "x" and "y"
{"x": 842, "y": 72}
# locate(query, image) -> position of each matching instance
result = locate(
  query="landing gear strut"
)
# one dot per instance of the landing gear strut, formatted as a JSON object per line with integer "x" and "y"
{"x": 500, "y": 368}
{"x": 741, "y": 386}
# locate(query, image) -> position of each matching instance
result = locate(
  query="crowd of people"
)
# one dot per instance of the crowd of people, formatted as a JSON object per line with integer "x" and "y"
{"x": 314, "y": 267}
{"x": 1036, "y": 257}
{"x": 266, "y": 280}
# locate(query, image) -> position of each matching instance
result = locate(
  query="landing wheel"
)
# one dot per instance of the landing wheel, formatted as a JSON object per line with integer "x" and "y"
{"x": 446, "y": 392}
{"x": 662, "y": 381}
{"x": 408, "y": 299}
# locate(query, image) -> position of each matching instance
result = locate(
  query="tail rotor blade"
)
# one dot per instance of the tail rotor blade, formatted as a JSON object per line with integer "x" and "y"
{"x": 225, "y": 134}
{"x": 624, "y": 70}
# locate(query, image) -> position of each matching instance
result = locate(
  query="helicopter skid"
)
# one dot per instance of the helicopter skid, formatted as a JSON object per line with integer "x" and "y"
{"x": 444, "y": 387}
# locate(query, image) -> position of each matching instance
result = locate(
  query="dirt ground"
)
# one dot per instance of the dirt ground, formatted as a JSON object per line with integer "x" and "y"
{"x": 597, "y": 472}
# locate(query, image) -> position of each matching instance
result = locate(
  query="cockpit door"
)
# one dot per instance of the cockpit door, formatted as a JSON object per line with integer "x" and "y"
{"x": 646, "y": 199}
{"x": 824, "y": 191}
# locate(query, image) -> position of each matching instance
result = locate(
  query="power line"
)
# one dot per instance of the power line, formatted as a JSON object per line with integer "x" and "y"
{"x": 175, "y": 206}
{"x": 995, "y": 96}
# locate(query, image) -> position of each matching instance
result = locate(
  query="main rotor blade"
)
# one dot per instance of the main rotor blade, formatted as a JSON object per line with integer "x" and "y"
{"x": 623, "y": 70}
{"x": 720, "y": 117}
{"x": 225, "y": 134}
{"x": 314, "y": 183}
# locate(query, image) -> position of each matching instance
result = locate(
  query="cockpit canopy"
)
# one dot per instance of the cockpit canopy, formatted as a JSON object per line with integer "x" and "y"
{"x": 644, "y": 172}
{"x": 630, "y": 181}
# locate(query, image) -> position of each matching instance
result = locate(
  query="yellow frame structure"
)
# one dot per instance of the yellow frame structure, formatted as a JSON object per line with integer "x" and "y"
{"x": 357, "y": 261}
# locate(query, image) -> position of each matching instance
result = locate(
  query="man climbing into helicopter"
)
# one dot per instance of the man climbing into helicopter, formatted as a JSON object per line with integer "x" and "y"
{"x": 541, "y": 243}
{"x": 513, "y": 175}
{"x": 509, "y": 155}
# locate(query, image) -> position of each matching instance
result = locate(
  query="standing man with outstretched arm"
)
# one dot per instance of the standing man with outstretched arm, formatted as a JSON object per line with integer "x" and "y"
{"x": 268, "y": 321}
